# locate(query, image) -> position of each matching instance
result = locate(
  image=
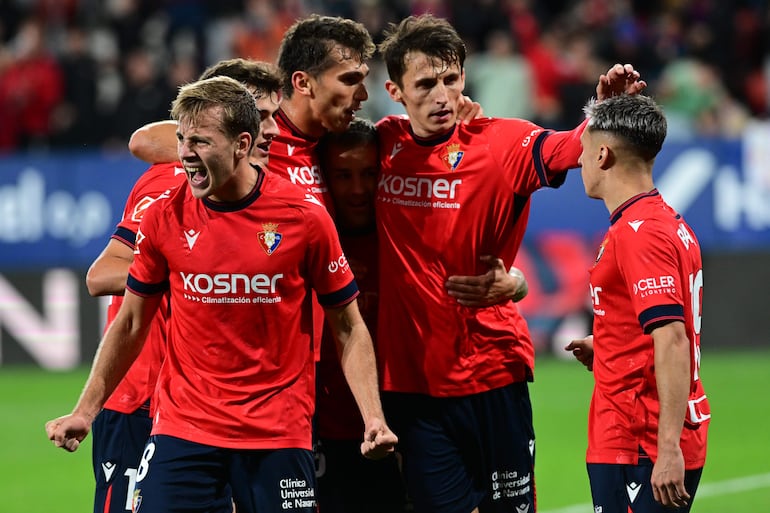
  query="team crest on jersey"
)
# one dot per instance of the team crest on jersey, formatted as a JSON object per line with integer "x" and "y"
{"x": 601, "y": 251}
{"x": 269, "y": 239}
{"x": 453, "y": 156}
{"x": 136, "y": 501}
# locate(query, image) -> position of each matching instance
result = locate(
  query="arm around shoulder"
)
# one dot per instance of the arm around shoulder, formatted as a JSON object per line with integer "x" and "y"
{"x": 108, "y": 273}
{"x": 155, "y": 143}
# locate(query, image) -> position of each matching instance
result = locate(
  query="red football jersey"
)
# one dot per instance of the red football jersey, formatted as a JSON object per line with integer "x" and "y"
{"x": 239, "y": 370}
{"x": 648, "y": 271}
{"x": 139, "y": 383}
{"x": 337, "y": 415}
{"x": 442, "y": 204}
{"x": 293, "y": 156}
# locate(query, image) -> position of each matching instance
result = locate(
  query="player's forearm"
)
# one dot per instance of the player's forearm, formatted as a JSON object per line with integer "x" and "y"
{"x": 561, "y": 150}
{"x": 360, "y": 369}
{"x": 520, "y": 287}
{"x": 119, "y": 348}
{"x": 672, "y": 374}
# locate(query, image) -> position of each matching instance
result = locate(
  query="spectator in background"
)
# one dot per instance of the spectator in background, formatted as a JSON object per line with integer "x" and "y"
{"x": 145, "y": 96}
{"x": 74, "y": 117}
{"x": 31, "y": 87}
{"x": 257, "y": 34}
{"x": 731, "y": 39}
{"x": 492, "y": 76}
{"x": 696, "y": 101}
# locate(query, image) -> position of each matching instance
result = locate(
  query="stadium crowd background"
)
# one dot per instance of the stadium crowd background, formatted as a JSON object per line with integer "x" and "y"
{"x": 86, "y": 73}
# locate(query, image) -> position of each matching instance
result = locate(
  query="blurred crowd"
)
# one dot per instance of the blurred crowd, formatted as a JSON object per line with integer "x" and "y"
{"x": 87, "y": 73}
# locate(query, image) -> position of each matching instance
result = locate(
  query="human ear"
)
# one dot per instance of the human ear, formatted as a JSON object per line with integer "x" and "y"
{"x": 300, "y": 81}
{"x": 394, "y": 91}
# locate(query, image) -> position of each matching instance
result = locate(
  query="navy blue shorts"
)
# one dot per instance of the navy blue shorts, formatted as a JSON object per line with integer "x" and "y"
{"x": 350, "y": 483}
{"x": 118, "y": 440}
{"x": 627, "y": 487}
{"x": 178, "y": 476}
{"x": 465, "y": 452}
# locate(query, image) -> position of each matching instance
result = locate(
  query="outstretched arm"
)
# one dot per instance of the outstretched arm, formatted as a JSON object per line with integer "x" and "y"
{"x": 354, "y": 345}
{"x": 155, "y": 143}
{"x": 495, "y": 286}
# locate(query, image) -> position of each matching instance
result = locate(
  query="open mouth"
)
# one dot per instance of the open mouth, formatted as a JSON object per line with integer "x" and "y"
{"x": 198, "y": 176}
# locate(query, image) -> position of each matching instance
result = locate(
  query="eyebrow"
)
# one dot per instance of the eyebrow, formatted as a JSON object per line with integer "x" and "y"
{"x": 353, "y": 74}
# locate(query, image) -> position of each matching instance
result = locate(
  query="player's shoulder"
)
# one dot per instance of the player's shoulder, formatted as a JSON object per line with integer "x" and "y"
{"x": 394, "y": 122}
{"x": 507, "y": 130}
{"x": 159, "y": 178}
{"x": 281, "y": 190}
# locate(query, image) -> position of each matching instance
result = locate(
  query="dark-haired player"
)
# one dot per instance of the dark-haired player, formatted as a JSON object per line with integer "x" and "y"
{"x": 649, "y": 415}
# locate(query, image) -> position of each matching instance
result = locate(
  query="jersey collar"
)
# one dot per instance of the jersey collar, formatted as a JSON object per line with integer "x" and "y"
{"x": 630, "y": 201}
{"x": 431, "y": 141}
{"x": 296, "y": 132}
{"x": 255, "y": 193}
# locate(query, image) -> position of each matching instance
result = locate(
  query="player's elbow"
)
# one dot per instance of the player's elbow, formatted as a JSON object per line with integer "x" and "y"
{"x": 93, "y": 284}
{"x": 138, "y": 142}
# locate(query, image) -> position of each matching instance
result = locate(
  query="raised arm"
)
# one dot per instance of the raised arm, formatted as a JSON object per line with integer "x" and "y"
{"x": 155, "y": 143}
{"x": 108, "y": 273}
{"x": 619, "y": 79}
{"x": 672, "y": 375}
{"x": 354, "y": 346}
{"x": 119, "y": 348}
{"x": 495, "y": 286}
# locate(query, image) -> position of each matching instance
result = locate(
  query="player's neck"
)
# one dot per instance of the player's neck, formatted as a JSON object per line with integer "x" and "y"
{"x": 298, "y": 111}
{"x": 240, "y": 186}
{"x": 624, "y": 186}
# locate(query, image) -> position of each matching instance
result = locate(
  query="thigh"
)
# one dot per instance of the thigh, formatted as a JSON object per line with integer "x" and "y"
{"x": 177, "y": 476}
{"x": 273, "y": 481}
{"x": 507, "y": 456}
{"x": 118, "y": 440}
{"x": 434, "y": 453}
{"x": 350, "y": 483}
{"x": 627, "y": 487}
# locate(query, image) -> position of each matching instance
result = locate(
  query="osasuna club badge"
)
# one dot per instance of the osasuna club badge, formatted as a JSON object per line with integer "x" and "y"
{"x": 601, "y": 251}
{"x": 453, "y": 156}
{"x": 269, "y": 239}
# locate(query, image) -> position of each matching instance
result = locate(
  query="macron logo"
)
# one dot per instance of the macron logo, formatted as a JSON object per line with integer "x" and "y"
{"x": 108, "y": 468}
{"x": 312, "y": 199}
{"x": 290, "y": 149}
{"x": 633, "y": 490}
{"x": 635, "y": 225}
{"x": 191, "y": 237}
{"x": 396, "y": 148}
